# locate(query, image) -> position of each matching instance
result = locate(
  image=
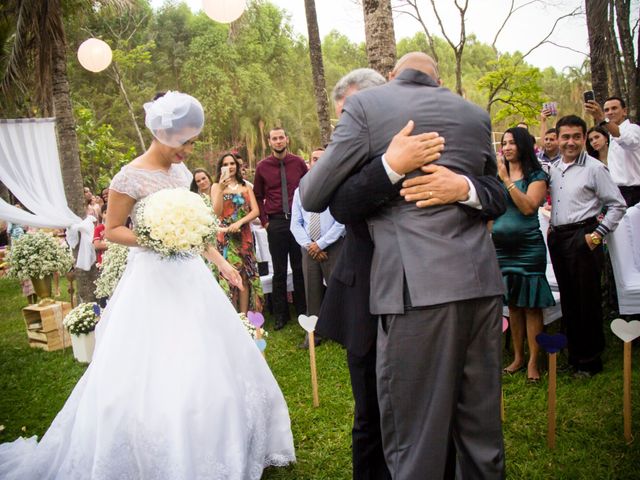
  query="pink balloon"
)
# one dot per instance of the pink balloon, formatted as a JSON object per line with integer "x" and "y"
{"x": 256, "y": 319}
{"x": 505, "y": 324}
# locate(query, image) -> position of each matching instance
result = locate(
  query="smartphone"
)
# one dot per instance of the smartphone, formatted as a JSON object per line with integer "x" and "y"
{"x": 552, "y": 107}
{"x": 224, "y": 172}
{"x": 588, "y": 95}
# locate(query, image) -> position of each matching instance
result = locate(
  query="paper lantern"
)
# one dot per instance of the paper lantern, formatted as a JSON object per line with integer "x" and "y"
{"x": 224, "y": 11}
{"x": 94, "y": 55}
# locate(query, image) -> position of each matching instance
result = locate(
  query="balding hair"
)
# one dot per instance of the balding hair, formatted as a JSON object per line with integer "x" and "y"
{"x": 417, "y": 61}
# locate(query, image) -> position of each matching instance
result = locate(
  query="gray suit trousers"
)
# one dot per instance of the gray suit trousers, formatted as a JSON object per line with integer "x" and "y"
{"x": 439, "y": 376}
{"x": 314, "y": 274}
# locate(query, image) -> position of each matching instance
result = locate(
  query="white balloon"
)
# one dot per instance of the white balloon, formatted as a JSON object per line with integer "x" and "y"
{"x": 224, "y": 11}
{"x": 94, "y": 55}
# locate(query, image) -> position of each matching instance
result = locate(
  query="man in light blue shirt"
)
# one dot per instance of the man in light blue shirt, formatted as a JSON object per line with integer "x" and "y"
{"x": 320, "y": 238}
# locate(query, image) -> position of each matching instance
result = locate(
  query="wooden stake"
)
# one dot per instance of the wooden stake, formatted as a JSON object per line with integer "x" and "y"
{"x": 551, "y": 425}
{"x": 626, "y": 397}
{"x": 502, "y": 405}
{"x": 314, "y": 373}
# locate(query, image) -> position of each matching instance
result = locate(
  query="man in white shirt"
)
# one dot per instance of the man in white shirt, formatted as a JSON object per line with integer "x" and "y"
{"x": 624, "y": 147}
{"x": 320, "y": 238}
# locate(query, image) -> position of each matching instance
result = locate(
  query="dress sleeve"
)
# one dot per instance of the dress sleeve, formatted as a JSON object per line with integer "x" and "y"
{"x": 537, "y": 176}
{"x": 123, "y": 182}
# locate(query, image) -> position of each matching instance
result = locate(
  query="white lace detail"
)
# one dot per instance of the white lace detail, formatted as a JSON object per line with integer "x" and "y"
{"x": 139, "y": 183}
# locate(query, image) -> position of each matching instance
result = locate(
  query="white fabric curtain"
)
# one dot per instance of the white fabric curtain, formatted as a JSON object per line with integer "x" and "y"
{"x": 30, "y": 168}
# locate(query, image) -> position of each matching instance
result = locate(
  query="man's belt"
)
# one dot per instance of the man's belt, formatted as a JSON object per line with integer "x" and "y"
{"x": 286, "y": 216}
{"x": 575, "y": 226}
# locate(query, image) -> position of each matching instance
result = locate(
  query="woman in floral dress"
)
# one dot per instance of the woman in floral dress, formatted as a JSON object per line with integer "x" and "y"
{"x": 235, "y": 205}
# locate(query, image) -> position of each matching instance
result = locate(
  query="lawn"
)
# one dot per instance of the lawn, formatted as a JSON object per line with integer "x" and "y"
{"x": 590, "y": 442}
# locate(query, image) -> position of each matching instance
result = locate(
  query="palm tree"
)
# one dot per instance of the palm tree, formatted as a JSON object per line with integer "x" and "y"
{"x": 39, "y": 43}
{"x": 317, "y": 70}
{"x": 380, "y": 37}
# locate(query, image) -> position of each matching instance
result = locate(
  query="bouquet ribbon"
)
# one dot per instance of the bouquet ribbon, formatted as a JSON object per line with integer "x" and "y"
{"x": 82, "y": 232}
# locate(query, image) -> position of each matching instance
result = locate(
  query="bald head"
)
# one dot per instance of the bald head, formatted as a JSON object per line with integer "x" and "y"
{"x": 417, "y": 61}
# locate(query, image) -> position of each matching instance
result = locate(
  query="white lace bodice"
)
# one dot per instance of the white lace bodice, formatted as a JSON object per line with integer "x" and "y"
{"x": 138, "y": 183}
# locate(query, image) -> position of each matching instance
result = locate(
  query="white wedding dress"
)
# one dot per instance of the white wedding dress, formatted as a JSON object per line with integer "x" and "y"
{"x": 177, "y": 389}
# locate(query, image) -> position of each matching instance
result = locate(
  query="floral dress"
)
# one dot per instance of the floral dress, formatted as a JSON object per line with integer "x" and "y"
{"x": 238, "y": 250}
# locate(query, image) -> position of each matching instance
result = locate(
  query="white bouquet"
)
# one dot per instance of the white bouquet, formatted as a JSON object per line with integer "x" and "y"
{"x": 175, "y": 223}
{"x": 37, "y": 255}
{"x": 82, "y": 319}
{"x": 114, "y": 261}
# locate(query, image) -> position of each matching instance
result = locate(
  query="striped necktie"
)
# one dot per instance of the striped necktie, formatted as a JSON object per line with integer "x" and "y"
{"x": 314, "y": 226}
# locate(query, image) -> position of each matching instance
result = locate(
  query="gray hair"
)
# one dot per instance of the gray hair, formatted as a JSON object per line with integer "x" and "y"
{"x": 361, "y": 78}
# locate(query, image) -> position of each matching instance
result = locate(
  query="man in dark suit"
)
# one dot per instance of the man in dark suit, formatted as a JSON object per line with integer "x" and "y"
{"x": 345, "y": 313}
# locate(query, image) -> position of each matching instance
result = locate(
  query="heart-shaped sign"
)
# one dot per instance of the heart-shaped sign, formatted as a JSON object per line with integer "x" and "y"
{"x": 552, "y": 343}
{"x": 626, "y": 331}
{"x": 261, "y": 343}
{"x": 256, "y": 319}
{"x": 308, "y": 323}
{"x": 505, "y": 324}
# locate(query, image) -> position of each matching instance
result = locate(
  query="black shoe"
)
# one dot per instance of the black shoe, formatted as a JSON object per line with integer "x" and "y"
{"x": 317, "y": 340}
{"x": 280, "y": 323}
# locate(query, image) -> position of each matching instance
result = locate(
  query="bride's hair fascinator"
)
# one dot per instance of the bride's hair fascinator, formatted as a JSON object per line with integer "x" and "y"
{"x": 174, "y": 118}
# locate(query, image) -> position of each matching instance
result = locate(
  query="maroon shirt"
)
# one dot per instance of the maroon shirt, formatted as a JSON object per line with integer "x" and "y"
{"x": 267, "y": 184}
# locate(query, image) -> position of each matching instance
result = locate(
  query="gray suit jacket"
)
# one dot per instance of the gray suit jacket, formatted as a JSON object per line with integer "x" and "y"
{"x": 430, "y": 255}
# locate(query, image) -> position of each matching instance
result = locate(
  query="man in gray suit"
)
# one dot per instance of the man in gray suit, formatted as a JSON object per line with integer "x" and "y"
{"x": 435, "y": 281}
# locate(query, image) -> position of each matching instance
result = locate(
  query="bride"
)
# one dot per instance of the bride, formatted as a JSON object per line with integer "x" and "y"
{"x": 176, "y": 389}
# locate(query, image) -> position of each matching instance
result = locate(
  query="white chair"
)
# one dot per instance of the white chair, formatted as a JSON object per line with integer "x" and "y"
{"x": 262, "y": 255}
{"x": 624, "y": 249}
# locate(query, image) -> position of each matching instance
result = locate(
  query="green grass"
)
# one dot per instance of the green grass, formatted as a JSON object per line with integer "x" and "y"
{"x": 590, "y": 444}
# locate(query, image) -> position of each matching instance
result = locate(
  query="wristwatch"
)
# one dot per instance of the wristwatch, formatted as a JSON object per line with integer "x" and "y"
{"x": 604, "y": 122}
{"x": 595, "y": 239}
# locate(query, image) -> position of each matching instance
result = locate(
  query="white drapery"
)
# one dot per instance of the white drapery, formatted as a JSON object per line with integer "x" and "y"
{"x": 30, "y": 168}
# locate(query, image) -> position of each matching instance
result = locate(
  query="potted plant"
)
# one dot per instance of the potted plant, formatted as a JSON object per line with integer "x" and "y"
{"x": 37, "y": 256}
{"x": 81, "y": 323}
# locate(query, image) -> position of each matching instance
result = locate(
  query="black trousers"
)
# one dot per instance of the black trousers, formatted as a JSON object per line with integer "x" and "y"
{"x": 366, "y": 440}
{"x": 283, "y": 245}
{"x": 578, "y": 271}
{"x": 631, "y": 194}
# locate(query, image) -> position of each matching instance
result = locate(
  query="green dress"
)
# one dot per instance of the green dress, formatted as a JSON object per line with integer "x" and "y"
{"x": 522, "y": 253}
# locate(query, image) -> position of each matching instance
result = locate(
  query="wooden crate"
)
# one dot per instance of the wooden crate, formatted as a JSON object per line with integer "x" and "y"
{"x": 44, "y": 326}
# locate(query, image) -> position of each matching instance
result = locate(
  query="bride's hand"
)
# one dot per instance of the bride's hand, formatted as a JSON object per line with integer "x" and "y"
{"x": 231, "y": 274}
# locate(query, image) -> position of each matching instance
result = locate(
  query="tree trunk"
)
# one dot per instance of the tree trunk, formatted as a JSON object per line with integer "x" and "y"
{"x": 132, "y": 113}
{"x": 380, "y": 37}
{"x": 69, "y": 156}
{"x": 317, "y": 70}
{"x": 623, "y": 11}
{"x": 596, "y": 11}
{"x": 616, "y": 78}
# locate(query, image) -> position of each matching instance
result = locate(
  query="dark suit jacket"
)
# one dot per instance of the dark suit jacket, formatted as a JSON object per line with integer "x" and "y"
{"x": 345, "y": 315}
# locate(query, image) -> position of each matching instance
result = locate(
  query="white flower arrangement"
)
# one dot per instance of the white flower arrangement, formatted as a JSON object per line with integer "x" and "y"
{"x": 251, "y": 328}
{"x": 175, "y": 223}
{"x": 82, "y": 319}
{"x": 36, "y": 255}
{"x": 114, "y": 261}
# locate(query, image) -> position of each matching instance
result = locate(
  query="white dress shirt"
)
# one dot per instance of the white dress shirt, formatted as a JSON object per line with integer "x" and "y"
{"x": 330, "y": 230}
{"x": 624, "y": 155}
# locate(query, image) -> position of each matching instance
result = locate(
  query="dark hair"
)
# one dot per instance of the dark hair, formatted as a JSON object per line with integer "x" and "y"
{"x": 239, "y": 178}
{"x": 274, "y": 129}
{"x": 194, "y": 186}
{"x": 526, "y": 153}
{"x": 571, "y": 121}
{"x": 602, "y": 131}
{"x": 159, "y": 95}
{"x": 551, "y": 130}
{"x": 615, "y": 97}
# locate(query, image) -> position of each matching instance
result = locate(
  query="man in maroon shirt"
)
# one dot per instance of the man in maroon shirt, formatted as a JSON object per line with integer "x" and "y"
{"x": 276, "y": 178}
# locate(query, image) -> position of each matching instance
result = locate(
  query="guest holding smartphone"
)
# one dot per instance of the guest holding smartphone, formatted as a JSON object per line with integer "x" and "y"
{"x": 236, "y": 206}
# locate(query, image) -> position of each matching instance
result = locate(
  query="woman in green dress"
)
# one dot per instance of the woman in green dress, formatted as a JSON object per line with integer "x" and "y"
{"x": 520, "y": 247}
